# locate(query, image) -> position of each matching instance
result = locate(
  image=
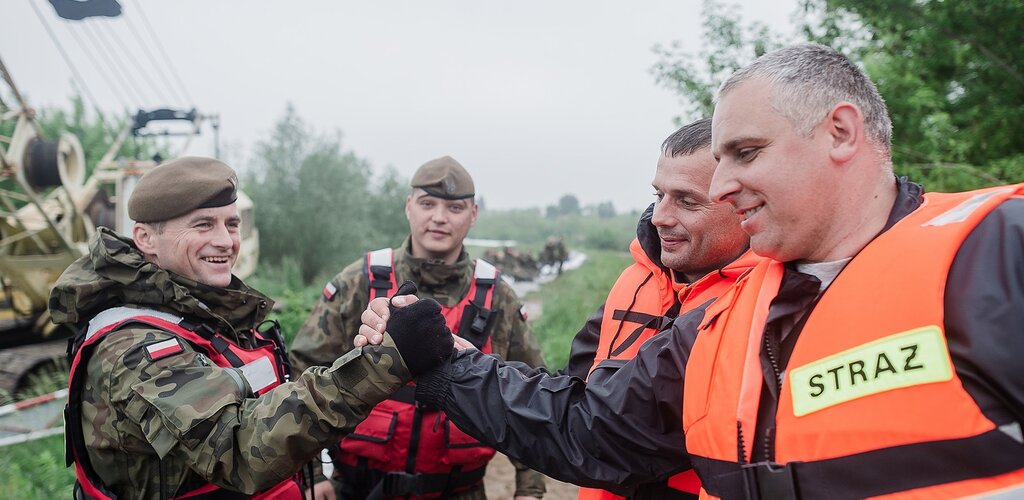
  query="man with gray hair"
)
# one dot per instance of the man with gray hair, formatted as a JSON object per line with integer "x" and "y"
{"x": 873, "y": 351}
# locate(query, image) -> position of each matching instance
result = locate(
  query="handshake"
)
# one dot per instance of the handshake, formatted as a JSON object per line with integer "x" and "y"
{"x": 417, "y": 327}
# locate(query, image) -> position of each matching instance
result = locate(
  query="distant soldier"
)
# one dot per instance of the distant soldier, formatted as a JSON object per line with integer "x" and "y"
{"x": 554, "y": 253}
{"x": 402, "y": 449}
{"x": 177, "y": 384}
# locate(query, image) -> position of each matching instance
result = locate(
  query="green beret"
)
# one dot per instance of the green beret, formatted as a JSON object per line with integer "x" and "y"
{"x": 444, "y": 178}
{"x": 180, "y": 186}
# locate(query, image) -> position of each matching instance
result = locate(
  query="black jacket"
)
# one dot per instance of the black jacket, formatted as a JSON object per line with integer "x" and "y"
{"x": 624, "y": 427}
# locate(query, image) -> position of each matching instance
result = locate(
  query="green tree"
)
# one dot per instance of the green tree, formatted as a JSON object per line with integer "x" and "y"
{"x": 568, "y": 205}
{"x": 952, "y": 74}
{"x": 728, "y": 46}
{"x": 316, "y": 204}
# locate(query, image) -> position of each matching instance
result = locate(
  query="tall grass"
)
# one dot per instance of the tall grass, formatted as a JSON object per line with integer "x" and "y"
{"x": 569, "y": 300}
{"x": 35, "y": 470}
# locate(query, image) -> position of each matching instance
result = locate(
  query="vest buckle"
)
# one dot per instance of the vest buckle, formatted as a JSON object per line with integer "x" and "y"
{"x": 770, "y": 481}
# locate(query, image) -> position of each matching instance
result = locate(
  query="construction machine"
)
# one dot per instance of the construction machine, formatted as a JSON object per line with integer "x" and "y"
{"x": 50, "y": 206}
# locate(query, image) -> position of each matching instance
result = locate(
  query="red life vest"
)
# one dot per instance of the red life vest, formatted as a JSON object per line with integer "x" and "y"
{"x": 866, "y": 408}
{"x": 264, "y": 368}
{"x": 409, "y": 450}
{"x": 646, "y": 298}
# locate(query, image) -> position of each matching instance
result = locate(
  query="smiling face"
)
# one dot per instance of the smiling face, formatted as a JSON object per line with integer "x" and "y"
{"x": 437, "y": 226}
{"x": 697, "y": 236}
{"x": 778, "y": 180}
{"x": 201, "y": 245}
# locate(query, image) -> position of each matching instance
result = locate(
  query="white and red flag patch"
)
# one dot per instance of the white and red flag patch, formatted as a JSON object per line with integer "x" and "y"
{"x": 330, "y": 290}
{"x": 162, "y": 349}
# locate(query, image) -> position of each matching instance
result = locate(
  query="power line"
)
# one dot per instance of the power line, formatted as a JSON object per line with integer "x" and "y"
{"x": 159, "y": 68}
{"x": 116, "y": 63}
{"x": 160, "y": 46}
{"x": 138, "y": 67}
{"x": 67, "y": 60}
{"x": 103, "y": 74}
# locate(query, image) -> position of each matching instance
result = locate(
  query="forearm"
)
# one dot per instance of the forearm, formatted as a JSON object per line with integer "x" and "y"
{"x": 549, "y": 422}
{"x": 277, "y": 433}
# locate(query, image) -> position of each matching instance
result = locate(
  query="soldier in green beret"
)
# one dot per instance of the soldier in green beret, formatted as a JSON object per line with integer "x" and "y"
{"x": 402, "y": 450}
{"x": 178, "y": 385}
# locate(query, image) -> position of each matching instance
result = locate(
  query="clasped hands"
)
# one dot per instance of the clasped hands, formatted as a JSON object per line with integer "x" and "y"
{"x": 417, "y": 327}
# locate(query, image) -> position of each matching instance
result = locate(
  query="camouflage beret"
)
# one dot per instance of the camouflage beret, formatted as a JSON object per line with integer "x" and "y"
{"x": 181, "y": 186}
{"x": 444, "y": 178}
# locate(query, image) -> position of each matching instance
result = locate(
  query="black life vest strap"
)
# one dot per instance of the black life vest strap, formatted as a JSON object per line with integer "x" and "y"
{"x": 919, "y": 465}
{"x": 379, "y": 266}
{"x": 403, "y": 484}
{"x": 658, "y": 323}
{"x": 486, "y": 277}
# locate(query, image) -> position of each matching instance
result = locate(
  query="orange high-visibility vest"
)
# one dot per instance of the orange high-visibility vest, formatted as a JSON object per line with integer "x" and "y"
{"x": 870, "y": 403}
{"x": 638, "y": 307}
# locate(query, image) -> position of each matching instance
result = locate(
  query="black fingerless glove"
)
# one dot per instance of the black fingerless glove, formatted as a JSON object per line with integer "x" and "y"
{"x": 422, "y": 337}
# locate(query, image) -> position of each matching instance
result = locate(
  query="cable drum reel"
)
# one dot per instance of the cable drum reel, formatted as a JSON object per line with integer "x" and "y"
{"x": 55, "y": 163}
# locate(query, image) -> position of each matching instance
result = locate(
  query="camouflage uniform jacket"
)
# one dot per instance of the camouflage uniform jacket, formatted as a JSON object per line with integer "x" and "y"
{"x": 205, "y": 425}
{"x": 334, "y": 323}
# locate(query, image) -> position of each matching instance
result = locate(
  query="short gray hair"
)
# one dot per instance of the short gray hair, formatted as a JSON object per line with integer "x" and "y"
{"x": 808, "y": 79}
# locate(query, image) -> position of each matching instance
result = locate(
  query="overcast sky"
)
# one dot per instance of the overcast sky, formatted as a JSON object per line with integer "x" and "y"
{"x": 536, "y": 98}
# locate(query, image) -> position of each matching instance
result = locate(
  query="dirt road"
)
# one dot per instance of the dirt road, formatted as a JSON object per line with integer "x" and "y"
{"x": 501, "y": 482}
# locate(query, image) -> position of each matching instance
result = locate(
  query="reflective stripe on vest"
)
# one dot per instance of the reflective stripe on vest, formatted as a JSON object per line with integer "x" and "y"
{"x": 645, "y": 288}
{"x": 399, "y": 438}
{"x": 866, "y": 408}
{"x": 636, "y": 307}
{"x": 259, "y": 366}
{"x": 379, "y": 267}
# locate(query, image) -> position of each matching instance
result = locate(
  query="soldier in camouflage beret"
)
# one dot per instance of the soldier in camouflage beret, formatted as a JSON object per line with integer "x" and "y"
{"x": 441, "y": 209}
{"x": 175, "y": 388}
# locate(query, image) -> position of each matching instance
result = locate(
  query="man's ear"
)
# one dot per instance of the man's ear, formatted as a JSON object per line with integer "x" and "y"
{"x": 845, "y": 124}
{"x": 144, "y": 236}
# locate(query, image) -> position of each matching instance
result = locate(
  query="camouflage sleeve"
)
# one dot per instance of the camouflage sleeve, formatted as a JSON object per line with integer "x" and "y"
{"x": 202, "y": 417}
{"x": 514, "y": 333}
{"x": 334, "y": 321}
{"x": 512, "y": 338}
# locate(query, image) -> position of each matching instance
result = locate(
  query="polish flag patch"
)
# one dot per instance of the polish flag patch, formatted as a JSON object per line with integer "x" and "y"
{"x": 522, "y": 312}
{"x": 330, "y": 290}
{"x": 162, "y": 349}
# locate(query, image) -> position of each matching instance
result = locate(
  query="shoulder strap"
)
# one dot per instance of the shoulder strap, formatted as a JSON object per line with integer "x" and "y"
{"x": 486, "y": 277}
{"x": 380, "y": 269}
{"x": 115, "y": 316}
{"x": 88, "y": 482}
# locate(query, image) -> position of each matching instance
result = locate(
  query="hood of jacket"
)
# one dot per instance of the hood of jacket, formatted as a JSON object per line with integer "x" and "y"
{"x": 115, "y": 273}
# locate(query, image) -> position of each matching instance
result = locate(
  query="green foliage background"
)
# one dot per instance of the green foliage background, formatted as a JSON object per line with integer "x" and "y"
{"x": 952, "y": 75}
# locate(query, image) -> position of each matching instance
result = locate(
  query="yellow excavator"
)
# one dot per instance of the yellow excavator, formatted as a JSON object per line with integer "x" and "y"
{"x": 49, "y": 208}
